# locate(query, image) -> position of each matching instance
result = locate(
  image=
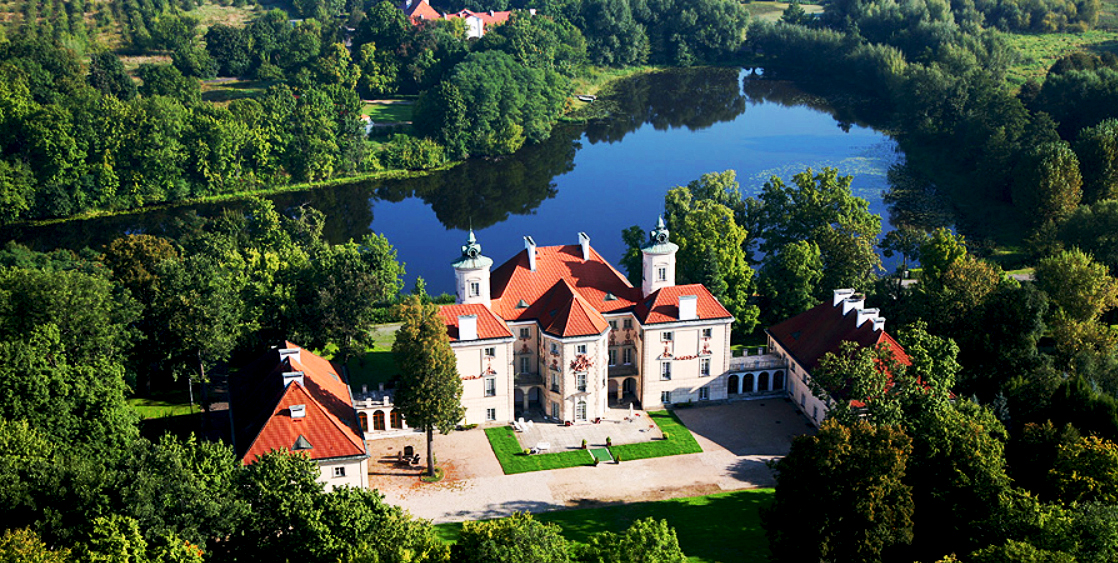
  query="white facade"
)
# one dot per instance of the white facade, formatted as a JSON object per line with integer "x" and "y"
{"x": 336, "y": 473}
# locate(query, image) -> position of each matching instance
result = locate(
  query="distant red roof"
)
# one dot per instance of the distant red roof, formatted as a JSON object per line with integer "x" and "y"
{"x": 489, "y": 325}
{"x": 262, "y": 413}
{"x": 419, "y": 11}
{"x": 663, "y": 305}
{"x": 487, "y": 18}
{"x": 823, "y": 328}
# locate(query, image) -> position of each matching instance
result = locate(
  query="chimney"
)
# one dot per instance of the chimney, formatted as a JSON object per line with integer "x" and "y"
{"x": 853, "y": 302}
{"x": 688, "y": 307}
{"x": 840, "y": 296}
{"x": 292, "y": 353}
{"x": 878, "y": 324}
{"x": 298, "y": 411}
{"x": 584, "y": 242}
{"x": 292, "y": 376}
{"x": 530, "y": 246}
{"x": 865, "y": 315}
{"x": 467, "y": 327}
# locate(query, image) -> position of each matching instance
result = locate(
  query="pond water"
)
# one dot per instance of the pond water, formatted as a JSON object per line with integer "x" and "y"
{"x": 599, "y": 178}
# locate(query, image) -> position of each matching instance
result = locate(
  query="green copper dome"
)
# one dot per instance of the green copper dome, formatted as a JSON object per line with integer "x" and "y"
{"x": 658, "y": 242}
{"x": 471, "y": 258}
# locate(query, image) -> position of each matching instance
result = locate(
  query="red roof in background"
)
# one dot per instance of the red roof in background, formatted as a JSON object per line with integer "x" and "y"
{"x": 823, "y": 328}
{"x": 262, "y": 414}
{"x": 663, "y": 305}
{"x": 489, "y": 325}
{"x": 486, "y": 18}
{"x": 421, "y": 10}
{"x": 594, "y": 280}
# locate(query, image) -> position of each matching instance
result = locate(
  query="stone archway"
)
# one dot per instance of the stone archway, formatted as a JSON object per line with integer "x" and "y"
{"x": 763, "y": 381}
{"x": 747, "y": 383}
{"x": 732, "y": 384}
{"x": 778, "y": 381}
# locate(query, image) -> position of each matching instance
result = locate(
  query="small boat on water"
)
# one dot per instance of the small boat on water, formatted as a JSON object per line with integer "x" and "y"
{"x": 585, "y": 98}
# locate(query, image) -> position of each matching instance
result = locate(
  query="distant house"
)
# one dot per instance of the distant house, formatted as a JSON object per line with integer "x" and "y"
{"x": 291, "y": 399}
{"x": 476, "y": 22}
{"x": 804, "y": 339}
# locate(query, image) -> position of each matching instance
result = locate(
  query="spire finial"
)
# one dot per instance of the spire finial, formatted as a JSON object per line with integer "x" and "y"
{"x": 660, "y": 222}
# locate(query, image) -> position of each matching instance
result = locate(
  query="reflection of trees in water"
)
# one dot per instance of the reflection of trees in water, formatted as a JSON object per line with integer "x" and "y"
{"x": 913, "y": 201}
{"x": 848, "y": 109}
{"x": 695, "y": 98}
{"x": 482, "y": 193}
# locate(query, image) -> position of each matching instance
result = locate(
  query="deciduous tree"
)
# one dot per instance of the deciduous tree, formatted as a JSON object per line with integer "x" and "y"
{"x": 516, "y": 539}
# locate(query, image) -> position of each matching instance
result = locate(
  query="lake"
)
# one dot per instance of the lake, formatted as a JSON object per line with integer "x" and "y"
{"x": 670, "y": 128}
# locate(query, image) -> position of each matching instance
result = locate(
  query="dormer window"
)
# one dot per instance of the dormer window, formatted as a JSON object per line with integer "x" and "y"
{"x": 298, "y": 411}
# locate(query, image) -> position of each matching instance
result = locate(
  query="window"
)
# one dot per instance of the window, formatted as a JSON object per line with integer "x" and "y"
{"x": 525, "y": 334}
{"x": 704, "y": 393}
{"x": 707, "y": 332}
{"x": 801, "y": 400}
{"x": 580, "y": 349}
{"x": 475, "y": 289}
{"x": 666, "y": 336}
{"x": 525, "y": 364}
{"x": 339, "y": 471}
{"x": 613, "y": 325}
{"x": 704, "y": 367}
{"x": 490, "y": 414}
{"x": 580, "y": 381}
{"x": 666, "y": 371}
{"x": 580, "y": 410}
{"x": 661, "y": 273}
{"x": 815, "y": 413}
{"x": 554, "y": 383}
{"x": 554, "y": 348}
{"x": 612, "y": 357}
{"x": 666, "y": 397}
{"x": 627, "y": 323}
{"x": 490, "y": 352}
{"x": 396, "y": 419}
{"x": 555, "y": 410}
{"x": 490, "y": 386}
{"x": 627, "y": 356}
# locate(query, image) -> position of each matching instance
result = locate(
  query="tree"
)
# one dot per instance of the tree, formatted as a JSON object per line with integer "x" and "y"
{"x": 1086, "y": 470}
{"x": 107, "y": 75}
{"x": 17, "y": 191}
{"x": 24, "y": 546}
{"x": 231, "y": 48}
{"x": 114, "y": 539}
{"x": 1047, "y": 185}
{"x": 516, "y": 539}
{"x": 613, "y": 37}
{"x": 794, "y": 14}
{"x": 789, "y": 281}
{"x": 166, "y": 80}
{"x": 429, "y": 392}
{"x": 1079, "y": 288}
{"x": 855, "y": 382}
{"x": 1097, "y": 150}
{"x": 646, "y": 541}
{"x": 820, "y": 208}
{"x": 1094, "y": 230}
{"x": 342, "y": 289}
{"x": 939, "y": 252}
{"x": 853, "y": 479}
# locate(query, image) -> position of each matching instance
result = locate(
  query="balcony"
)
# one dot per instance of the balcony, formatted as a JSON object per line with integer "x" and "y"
{"x": 762, "y": 361}
{"x": 623, "y": 370}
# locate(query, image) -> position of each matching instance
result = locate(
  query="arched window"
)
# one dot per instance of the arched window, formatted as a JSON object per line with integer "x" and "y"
{"x": 364, "y": 419}
{"x": 580, "y": 410}
{"x": 732, "y": 384}
{"x": 747, "y": 383}
{"x": 397, "y": 419}
{"x": 763, "y": 381}
{"x": 378, "y": 420}
{"x": 778, "y": 380}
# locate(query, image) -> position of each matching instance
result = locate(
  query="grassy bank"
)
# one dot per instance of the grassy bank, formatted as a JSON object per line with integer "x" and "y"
{"x": 723, "y": 527}
{"x": 1038, "y": 51}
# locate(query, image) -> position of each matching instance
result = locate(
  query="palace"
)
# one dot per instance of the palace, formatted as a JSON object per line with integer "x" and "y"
{"x": 557, "y": 331}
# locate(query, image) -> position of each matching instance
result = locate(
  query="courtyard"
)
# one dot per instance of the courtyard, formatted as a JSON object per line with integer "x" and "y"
{"x": 618, "y": 426}
{"x": 737, "y": 440}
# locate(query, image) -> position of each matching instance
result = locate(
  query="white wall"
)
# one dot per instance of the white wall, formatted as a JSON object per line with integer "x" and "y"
{"x": 356, "y": 473}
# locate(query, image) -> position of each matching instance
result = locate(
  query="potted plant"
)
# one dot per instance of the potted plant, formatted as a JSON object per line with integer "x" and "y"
{"x": 584, "y": 444}
{"x": 596, "y": 461}
{"x": 617, "y": 460}
{"x": 665, "y": 435}
{"x": 609, "y": 441}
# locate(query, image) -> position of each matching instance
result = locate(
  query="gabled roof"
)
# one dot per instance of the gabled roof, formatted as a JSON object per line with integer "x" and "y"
{"x": 823, "y": 328}
{"x": 489, "y": 325}
{"x": 420, "y": 10}
{"x": 563, "y": 312}
{"x": 487, "y": 18}
{"x": 262, "y": 414}
{"x": 602, "y": 287}
{"x": 663, "y": 305}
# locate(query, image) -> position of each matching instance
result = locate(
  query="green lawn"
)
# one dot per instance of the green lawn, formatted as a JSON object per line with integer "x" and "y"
{"x": 376, "y": 365}
{"x": 1038, "y": 51}
{"x": 163, "y": 406}
{"x": 723, "y": 527}
{"x": 680, "y": 440}
{"x": 388, "y": 113}
{"x": 512, "y": 458}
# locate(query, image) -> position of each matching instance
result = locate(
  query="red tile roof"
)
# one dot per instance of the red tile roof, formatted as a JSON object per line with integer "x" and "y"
{"x": 487, "y": 18}
{"x": 563, "y": 312}
{"x": 262, "y": 408}
{"x": 823, "y": 328}
{"x": 595, "y": 280}
{"x": 663, "y": 305}
{"x": 489, "y": 325}
{"x": 421, "y": 10}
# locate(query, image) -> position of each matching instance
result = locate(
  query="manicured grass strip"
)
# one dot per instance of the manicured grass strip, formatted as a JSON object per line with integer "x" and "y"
{"x": 388, "y": 113}
{"x": 601, "y": 454}
{"x": 513, "y": 460}
{"x": 151, "y": 408}
{"x": 680, "y": 440}
{"x": 723, "y": 527}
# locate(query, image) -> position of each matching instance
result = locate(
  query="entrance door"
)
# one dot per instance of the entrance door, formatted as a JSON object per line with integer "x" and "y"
{"x": 732, "y": 385}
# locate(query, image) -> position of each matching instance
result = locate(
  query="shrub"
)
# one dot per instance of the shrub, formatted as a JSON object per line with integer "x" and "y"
{"x": 666, "y": 435}
{"x": 405, "y": 152}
